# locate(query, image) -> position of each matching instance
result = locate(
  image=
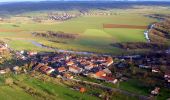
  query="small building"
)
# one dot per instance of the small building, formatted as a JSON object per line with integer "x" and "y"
{"x": 16, "y": 68}
{"x": 89, "y": 67}
{"x": 2, "y": 72}
{"x": 82, "y": 89}
{"x": 22, "y": 52}
{"x": 43, "y": 69}
{"x": 167, "y": 76}
{"x": 3, "y": 48}
{"x": 68, "y": 76}
{"x": 32, "y": 53}
{"x": 155, "y": 91}
{"x": 99, "y": 74}
{"x": 75, "y": 69}
{"x": 107, "y": 71}
{"x": 109, "y": 61}
{"x": 155, "y": 69}
{"x": 38, "y": 66}
{"x": 61, "y": 69}
{"x": 1, "y": 19}
{"x": 49, "y": 71}
{"x": 70, "y": 63}
{"x": 109, "y": 79}
{"x": 144, "y": 66}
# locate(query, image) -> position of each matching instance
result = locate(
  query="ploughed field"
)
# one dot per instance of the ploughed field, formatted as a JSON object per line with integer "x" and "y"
{"x": 124, "y": 26}
{"x": 93, "y": 33}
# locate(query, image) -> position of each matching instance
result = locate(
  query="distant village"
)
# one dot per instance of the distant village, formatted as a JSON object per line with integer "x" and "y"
{"x": 62, "y": 16}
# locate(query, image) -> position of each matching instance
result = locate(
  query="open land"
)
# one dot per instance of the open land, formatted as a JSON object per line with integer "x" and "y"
{"x": 88, "y": 27}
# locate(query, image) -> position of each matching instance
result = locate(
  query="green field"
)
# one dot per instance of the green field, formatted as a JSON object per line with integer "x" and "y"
{"x": 57, "y": 91}
{"x": 91, "y": 35}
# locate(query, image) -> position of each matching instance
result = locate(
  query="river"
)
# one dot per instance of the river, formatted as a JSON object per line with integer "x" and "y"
{"x": 63, "y": 51}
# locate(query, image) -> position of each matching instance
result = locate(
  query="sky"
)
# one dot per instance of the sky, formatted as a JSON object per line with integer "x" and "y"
{"x": 71, "y": 0}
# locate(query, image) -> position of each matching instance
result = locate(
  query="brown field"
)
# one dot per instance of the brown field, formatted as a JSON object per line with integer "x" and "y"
{"x": 124, "y": 26}
{"x": 9, "y": 30}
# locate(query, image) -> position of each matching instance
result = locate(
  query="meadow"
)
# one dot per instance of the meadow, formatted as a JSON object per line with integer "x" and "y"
{"x": 57, "y": 91}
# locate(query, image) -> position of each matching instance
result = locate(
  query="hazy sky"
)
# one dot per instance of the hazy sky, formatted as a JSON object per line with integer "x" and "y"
{"x": 70, "y": 0}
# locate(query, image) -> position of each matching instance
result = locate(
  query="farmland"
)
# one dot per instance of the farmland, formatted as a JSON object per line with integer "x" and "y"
{"x": 89, "y": 29}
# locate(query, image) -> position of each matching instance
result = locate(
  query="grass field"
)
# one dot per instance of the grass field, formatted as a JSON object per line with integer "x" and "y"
{"x": 9, "y": 93}
{"x": 58, "y": 91}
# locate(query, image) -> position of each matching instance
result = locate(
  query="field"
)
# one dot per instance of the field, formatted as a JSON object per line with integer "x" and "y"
{"x": 92, "y": 36}
{"x": 123, "y": 26}
{"x": 58, "y": 91}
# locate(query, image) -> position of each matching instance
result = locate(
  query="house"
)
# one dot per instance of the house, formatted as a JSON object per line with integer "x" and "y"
{"x": 61, "y": 69}
{"x": 82, "y": 89}
{"x": 16, "y": 68}
{"x": 109, "y": 61}
{"x": 155, "y": 69}
{"x": 43, "y": 69}
{"x": 2, "y": 72}
{"x": 155, "y": 91}
{"x": 38, "y": 66}
{"x": 23, "y": 57}
{"x": 68, "y": 76}
{"x": 1, "y": 19}
{"x": 70, "y": 63}
{"x": 49, "y": 71}
{"x": 107, "y": 71}
{"x": 99, "y": 74}
{"x": 22, "y": 52}
{"x": 167, "y": 76}
{"x": 75, "y": 69}
{"x": 89, "y": 67}
{"x": 144, "y": 66}
{"x": 32, "y": 53}
{"x": 109, "y": 79}
{"x": 3, "y": 48}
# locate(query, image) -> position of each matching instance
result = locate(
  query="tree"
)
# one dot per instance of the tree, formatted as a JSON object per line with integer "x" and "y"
{"x": 163, "y": 68}
{"x": 133, "y": 69}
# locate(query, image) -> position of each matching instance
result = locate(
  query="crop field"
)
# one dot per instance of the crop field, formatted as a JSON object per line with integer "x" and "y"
{"x": 124, "y": 26}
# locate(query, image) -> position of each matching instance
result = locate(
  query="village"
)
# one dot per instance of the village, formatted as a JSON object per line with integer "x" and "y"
{"x": 69, "y": 66}
{"x": 61, "y": 16}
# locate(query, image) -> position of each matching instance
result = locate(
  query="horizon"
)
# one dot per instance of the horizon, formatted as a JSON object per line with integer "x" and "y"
{"x": 78, "y": 0}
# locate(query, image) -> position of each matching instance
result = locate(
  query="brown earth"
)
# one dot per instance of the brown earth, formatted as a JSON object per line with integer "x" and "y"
{"x": 124, "y": 26}
{"x": 10, "y": 30}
